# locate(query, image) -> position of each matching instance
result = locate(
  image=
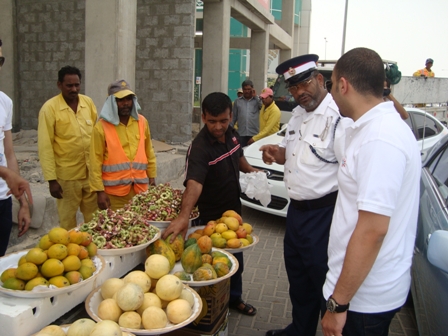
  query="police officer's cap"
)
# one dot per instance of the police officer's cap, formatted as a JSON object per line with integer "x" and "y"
{"x": 298, "y": 69}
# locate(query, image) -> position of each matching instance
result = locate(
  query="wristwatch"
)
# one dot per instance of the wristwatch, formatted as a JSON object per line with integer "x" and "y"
{"x": 334, "y": 307}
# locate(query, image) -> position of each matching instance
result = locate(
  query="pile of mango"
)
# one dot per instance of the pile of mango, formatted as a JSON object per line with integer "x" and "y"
{"x": 198, "y": 260}
{"x": 229, "y": 231}
{"x": 61, "y": 258}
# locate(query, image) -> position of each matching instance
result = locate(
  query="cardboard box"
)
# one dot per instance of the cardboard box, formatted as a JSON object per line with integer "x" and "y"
{"x": 221, "y": 328}
{"x": 215, "y": 304}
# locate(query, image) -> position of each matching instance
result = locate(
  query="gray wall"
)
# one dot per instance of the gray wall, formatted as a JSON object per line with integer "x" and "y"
{"x": 50, "y": 35}
{"x": 165, "y": 67}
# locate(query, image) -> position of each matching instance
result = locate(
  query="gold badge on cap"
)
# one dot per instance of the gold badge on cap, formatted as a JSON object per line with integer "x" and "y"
{"x": 292, "y": 71}
{"x": 123, "y": 84}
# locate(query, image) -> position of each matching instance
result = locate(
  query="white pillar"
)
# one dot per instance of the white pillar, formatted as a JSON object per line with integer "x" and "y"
{"x": 110, "y": 46}
{"x": 259, "y": 44}
{"x": 215, "y": 47}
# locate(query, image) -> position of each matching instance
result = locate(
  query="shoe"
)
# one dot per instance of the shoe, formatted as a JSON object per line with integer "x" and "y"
{"x": 247, "y": 310}
{"x": 277, "y": 332}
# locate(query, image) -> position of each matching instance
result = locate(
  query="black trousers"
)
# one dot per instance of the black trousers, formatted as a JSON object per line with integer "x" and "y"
{"x": 305, "y": 253}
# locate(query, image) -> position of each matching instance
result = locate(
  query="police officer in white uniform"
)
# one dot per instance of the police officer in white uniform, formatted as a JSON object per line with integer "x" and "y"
{"x": 310, "y": 155}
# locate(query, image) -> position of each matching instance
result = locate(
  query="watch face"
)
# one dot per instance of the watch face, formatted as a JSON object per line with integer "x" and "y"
{"x": 331, "y": 305}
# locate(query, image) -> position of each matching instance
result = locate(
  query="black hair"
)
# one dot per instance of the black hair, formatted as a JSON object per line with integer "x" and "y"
{"x": 246, "y": 83}
{"x": 387, "y": 82}
{"x": 216, "y": 103}
{"x": 68, "y": 70}
{"x": 363, "y": 69}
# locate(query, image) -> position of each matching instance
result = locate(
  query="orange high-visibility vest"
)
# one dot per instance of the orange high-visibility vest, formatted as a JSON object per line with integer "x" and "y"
{"x": 119, "y": 172}
{"x": 426, "y": 73}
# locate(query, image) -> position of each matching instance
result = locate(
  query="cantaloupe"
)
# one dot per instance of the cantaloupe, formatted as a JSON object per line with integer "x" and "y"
{"x": 169, "y": 287}
{"x": 178, "y": 311}
{"x": 130, "y": 297}
{"x": 154, "y": 318}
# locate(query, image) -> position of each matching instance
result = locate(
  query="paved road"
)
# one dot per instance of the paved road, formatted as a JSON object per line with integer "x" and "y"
{"x": 266, "y": 284}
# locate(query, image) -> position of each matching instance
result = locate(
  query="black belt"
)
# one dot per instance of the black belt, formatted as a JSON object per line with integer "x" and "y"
{"x": 318, "y": 203}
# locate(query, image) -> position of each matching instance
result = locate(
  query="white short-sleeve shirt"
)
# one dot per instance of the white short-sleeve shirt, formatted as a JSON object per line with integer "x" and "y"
{"x": 5, "y": 125}
{"x": 308, "y": 177}
{"x": 380, "y": 173}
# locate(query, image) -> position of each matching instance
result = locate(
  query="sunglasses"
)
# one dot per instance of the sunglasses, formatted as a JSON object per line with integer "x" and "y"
{"x": 302, "y": 85}
{"x": 2, "y": 61}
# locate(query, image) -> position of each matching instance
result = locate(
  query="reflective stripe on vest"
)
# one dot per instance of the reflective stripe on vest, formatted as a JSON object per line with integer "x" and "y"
{"x": 119, "y": 173}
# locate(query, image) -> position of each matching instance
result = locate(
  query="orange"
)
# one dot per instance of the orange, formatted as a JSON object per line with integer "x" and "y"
{"x": 45, "y": 243}
{"x": 71, "y": 263}
{"x": 57, "y": 251}
{"x": 36, "y": 256}
{"x": 26, "y": 271}
{"x": 83, "y": 253}
{"x": 76, "y": 237}
{"x": 59, "y": 235}
{"x": 52, "y": 268}
{"x": 73, "y": 249}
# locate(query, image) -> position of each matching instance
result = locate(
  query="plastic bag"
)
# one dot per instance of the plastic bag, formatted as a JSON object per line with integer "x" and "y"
{"x": 255, "y": 185}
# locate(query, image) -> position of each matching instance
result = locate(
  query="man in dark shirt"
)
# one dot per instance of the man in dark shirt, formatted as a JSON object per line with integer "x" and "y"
{"x": 213, "y": 163}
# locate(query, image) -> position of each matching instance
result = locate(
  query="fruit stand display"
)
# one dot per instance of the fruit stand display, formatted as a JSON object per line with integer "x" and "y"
{"x": 82, "y": 327}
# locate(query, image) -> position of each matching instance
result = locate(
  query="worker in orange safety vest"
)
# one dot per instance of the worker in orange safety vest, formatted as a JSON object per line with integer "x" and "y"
{"x": 123, "y": 162}
{"x": 426, "y": 71}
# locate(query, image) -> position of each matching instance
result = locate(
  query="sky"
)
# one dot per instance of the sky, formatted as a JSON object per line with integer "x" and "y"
{"x": 405, "y": 31}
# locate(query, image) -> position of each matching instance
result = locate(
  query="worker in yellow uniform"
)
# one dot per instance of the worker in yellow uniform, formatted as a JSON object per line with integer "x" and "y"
{"x": 426, "y": 71}
{"x": 65, "y": 125}
{"x": 269, "y": 116}
{"x": 122, "y": 155}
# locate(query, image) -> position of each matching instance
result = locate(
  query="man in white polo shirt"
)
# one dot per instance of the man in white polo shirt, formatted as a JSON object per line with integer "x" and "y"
{"x": 374, "y": 223}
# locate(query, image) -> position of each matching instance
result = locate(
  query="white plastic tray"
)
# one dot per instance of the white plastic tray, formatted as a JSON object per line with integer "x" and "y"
{"x": 94, "y": 299}
{"x": 192, "y": 283}
{"x": 65, "y": 327}
{"x": 228, "y": 249}
{"x": 12, "y": 259}
{"x": 165, "y": 224}
{"x": 127, "y": 250}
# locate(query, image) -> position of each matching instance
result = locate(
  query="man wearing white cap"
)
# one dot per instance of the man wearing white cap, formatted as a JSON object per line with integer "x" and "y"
{"x": 122, "y": 155}
{"x": 8, "y": 160}
{"x": 310, "y": 156}
{"x": 269, "y": 116}
{"x": 63, "y": 134}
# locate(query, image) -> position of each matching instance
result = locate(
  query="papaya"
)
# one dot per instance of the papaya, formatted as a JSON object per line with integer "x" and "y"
{"x": 221, "y": 269}
{"x": 205, "y": 244}
{"x": 190, "y": 241}
{"x": 224, "y": 260}
{"x": 206, "y": 265}
{"x": 207, "y": 259}
{"x": 177, "y": 245}
{"x": 191, "y": 258}
{"x": 160, "y": 247}
{"x": 182, "y": 275}
{"x": 218, "y": 254}
{"x": 202, "y": 274}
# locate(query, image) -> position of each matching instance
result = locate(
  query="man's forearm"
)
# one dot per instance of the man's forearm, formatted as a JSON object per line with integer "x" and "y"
{"x": 362, "y": 250}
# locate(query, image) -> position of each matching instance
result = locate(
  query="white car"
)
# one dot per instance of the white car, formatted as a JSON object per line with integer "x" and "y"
{"x": 427, "y": 130}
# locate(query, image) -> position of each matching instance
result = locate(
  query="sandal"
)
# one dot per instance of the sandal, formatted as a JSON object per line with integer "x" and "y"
{"x": 247, "y": 310}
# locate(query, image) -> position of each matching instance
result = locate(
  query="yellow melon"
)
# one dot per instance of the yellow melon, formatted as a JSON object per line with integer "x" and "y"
{"x": 130, "y": 297}
{"x": 109, "y": 310}
{"x": 106, "y": 328}
{"x": 140, "y": 278}
{"x": 156, "y": 266}
{"x": 149, "y": 300}
{"x": 53, "y": 330}
{"x": 110, "y": 287}
{"x": 178, "y": 311}
{"x": 169, "y": 287}
{"x": 81, "y": 327}
{"x": 154, "y": 318}
{"x": 130, "y": 319}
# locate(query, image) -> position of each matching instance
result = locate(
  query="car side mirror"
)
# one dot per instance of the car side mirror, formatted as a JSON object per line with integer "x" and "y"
{"x": 438, "y": 249}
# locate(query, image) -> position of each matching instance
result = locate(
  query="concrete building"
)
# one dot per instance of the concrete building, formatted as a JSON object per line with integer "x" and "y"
{"x": 150, "y": 43}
